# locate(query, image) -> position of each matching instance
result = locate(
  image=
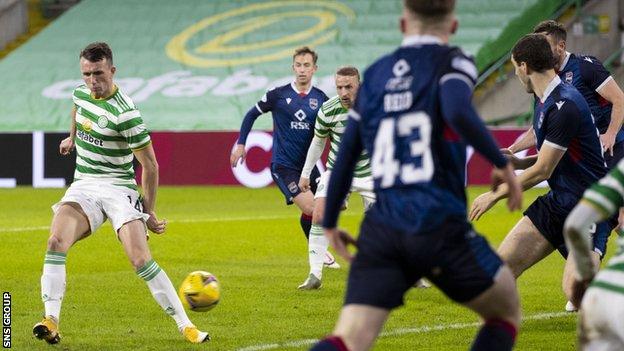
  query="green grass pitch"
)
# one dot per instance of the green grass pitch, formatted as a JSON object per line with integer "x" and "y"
{"x": 253, "y": 244}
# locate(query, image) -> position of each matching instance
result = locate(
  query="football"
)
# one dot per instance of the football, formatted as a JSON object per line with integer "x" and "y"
{"x": 200, "y": 291}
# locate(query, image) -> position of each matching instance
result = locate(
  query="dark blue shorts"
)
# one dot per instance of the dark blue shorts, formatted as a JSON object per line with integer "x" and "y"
{"x": 549, "y": 219}
{"x": 287, "y": 180}
{"x": 453, "y": 256}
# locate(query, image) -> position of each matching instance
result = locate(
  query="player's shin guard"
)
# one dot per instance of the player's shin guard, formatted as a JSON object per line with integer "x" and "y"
{"x": 306, "y": 224}
{"x": 330, "y": 343}
{"x": 164, "y": 292}
{"x": 317, "y": 247}
{"x": 495, "y": 335}
{"x": 53, "y": 283}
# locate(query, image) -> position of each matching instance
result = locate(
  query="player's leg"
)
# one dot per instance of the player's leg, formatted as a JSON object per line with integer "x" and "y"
{"x": 69, "y": 225}
{"x": 317, "y": 247}
{"x": 287, "y": 181}
{"x": 376, "y": 285}
{"x": 471, "y": 273}
{"x": 523, "y": 247}
{"x": 601, "y": 326}
{"x": 134, "y": 240}
{"x": 305, "y": 202}
{"x": 568, "y": 278}
{"x": 356, "y": 330}
{"x": 499, "y": 306}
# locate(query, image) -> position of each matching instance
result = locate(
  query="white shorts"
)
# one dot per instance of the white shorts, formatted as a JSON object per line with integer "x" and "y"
{"x": 601, "y": 320}
{"x": 363, "y": 186}
{"x": 100, "y": 200}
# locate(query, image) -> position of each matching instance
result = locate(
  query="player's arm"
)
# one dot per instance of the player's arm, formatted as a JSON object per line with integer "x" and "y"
{"x": 262, "y": 106}
{"x": 597, "y": 77}
{"x": 314, "y": 151}
{"x": 340, "y": 182}
{"x": 459, "y": 113}
{"x": 314, "y": 154}
{"x": 149, "y": 184}
{"x": 526, "y": 141}
{"x": 67, "y": 144}
{"x": 545, "y": 163}
{"x": 563, "y": 124}
{"x": 611, "y": 92}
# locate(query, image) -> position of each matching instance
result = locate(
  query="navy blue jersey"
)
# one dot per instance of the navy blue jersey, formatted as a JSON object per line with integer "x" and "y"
{"x": 588, "y": 75}
{"x": 564, "y": 121}
{"x": 418, "y": 161}
{"x": 294, "y": 115}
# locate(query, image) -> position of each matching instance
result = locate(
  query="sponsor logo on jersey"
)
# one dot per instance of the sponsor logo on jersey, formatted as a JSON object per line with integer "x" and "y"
{"x": 102, "y": 121}
{"x": 569, "y": 76}
{"x": 400, "y": 68}
{"x": 300, "y": 115}
{"x": 299, "y": 125}
{"x": 313, "y": 104}
{"x": 87, "y": 125}
{"x": 288, "y": 100}
{"x": 89, "y": 138}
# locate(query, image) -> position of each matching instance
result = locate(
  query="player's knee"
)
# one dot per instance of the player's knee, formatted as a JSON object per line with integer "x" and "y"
{"x": 139, "y": 260}
{"x": 57, "y": 244}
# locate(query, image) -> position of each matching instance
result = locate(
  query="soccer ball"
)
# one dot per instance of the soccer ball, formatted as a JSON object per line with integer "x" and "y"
{"x": 200, "y": 291}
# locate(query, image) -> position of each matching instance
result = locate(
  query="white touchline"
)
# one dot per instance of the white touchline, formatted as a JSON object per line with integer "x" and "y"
{"x": 183, "y": 220}
{"x": 402, "y": 331}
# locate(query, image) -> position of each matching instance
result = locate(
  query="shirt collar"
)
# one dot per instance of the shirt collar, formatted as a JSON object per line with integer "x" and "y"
{"x": 565, "y": 61}
{"x": 549, "y": 89}
{"x": 412, "y": 40}
{"x": 294, "y": 87}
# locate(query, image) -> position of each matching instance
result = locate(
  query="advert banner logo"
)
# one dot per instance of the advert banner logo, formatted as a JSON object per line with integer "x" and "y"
{"x": 233, "y": 40}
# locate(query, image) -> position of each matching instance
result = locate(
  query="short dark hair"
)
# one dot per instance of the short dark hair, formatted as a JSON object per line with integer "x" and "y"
{"x": 306, "y": 50}
{"x": 554, "y": 28}
{"x": 430, "y": 9}
{"x": 97, "y": 51}
{"x": 534, "y": 50}
{"x": 349, "y": 71}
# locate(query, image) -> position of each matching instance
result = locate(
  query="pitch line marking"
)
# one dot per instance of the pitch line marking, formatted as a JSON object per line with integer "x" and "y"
{"x": 183, "y": 220}
{"x": 402, "y": 331}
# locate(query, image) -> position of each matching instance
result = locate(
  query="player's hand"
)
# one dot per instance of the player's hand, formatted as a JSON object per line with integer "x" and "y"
{"x": 304, "y": 184}
{"x": 481, "y": 205}
{"x": 514, "y": 189}
{"x": 607, "y": 140}
{"x": 506, "y": 151}
{"x": 237, "y": 154}
{"x": 340, "y": 241}
{"x": 578, "y": 291}
{"x": 66, "y": 146}
{"x": 155, "y": 225}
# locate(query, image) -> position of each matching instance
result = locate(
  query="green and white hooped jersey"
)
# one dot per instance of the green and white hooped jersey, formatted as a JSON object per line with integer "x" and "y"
{"x": 608, "y": 196}
{"x": 107, "y": 131}
{"x": 331, "y": 122}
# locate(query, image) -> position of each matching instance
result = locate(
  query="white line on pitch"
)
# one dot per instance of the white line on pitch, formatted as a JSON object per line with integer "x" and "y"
{"x": 188, "y": 220}
{"x": 402, "y": 331}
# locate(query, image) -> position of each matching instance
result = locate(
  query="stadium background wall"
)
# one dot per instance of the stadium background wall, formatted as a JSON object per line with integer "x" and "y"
{"x": 185, "y": 158}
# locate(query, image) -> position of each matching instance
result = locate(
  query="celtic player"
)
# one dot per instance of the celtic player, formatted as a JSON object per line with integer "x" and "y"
{"x": 107, "y": 132}
{"x": 330, "y": 124}
{"x": 601, "y": 324}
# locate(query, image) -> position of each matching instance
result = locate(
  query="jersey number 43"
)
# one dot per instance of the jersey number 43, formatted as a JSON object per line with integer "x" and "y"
{"x": 386, "y": 166}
